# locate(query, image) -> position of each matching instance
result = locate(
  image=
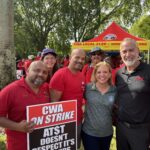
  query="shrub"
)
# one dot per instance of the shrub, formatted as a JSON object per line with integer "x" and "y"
{"x": 2, "y": 142}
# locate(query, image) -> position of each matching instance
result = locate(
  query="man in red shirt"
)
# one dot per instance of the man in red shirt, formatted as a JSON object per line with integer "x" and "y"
{"x": 96, "y": 55}
{"x": 13, "y": 101}
{"x": 68, "y": 84}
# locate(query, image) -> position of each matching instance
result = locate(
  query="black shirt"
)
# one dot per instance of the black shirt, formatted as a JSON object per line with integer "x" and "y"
{"x": 133, "y": 94}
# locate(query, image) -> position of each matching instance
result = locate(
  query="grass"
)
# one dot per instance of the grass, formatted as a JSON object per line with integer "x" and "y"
{"x": 2, "y": 142}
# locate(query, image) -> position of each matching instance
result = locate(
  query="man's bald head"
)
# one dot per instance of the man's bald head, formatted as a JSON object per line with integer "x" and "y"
{"x": 131, "y": 43}
{"x": 36, "y": 64}
{"x": 77, "y": 51}
{"x": 37, "y": 73}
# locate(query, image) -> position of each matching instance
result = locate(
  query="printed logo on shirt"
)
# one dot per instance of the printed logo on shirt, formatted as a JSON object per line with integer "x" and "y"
{"x": 139, "y": 78}
{"x": 111, "y": 99}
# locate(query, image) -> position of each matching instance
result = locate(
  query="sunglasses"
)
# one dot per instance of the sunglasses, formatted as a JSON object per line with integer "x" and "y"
{"x": 96, "y": 53}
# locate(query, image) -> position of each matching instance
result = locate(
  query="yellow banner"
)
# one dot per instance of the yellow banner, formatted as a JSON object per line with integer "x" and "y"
{"x": 108, "y": 46}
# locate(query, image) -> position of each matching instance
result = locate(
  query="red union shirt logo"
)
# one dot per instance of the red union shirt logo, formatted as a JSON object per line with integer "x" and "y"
{"x": 139, "y": 78}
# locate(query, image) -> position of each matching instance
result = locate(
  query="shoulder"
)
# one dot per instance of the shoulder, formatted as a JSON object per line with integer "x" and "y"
{"x": 85, "y": 67}
{"x": 120, "y": 69}
{"x": 59, "y": 73}
{"x": 59, "y": 77}
{"x": 14, "y": 84}
{"x": 62, "y": 71}
{"x": 113, "y": 88}
{"x": 10, "y": 88}
{"x": 90, "y": 86}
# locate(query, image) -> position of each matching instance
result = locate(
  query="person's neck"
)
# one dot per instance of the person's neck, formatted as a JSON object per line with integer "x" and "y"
{"x": 93, "y": 64}
{"x": 130, "y": 69}
{"x": 103, "y": 88}
{"x": 34, "y": 88}
{"x": 74, "y": 71}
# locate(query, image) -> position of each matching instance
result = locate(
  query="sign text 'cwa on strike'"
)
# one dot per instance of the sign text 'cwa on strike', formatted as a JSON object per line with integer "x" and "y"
{"x": 54, "y": 113}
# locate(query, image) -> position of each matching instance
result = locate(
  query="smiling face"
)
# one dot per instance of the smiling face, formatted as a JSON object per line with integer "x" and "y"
{"x": 37, "y": 73}
{"x": 50, "y": 61}
{"x": 77, "y": 60}
{"x": 96, "y": 57}
{"x": 102, "y": 73}
{"x": 129, "y": 53}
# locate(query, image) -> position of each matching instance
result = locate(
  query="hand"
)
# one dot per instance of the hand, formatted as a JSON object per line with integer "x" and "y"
{"x": 25, "y": 126}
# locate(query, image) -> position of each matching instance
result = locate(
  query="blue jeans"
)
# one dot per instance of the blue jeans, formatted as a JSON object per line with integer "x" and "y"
{"x": 95, "y": 143}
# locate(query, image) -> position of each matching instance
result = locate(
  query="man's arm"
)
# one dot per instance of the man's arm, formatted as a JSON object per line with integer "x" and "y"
{"x": 55, "y": 95}
{"x": 22, "y": 126}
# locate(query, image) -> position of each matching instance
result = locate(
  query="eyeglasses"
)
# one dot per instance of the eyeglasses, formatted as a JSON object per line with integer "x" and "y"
{"x": 96, "y": 53}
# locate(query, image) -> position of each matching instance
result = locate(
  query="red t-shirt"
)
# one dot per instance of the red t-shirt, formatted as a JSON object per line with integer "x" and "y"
{"x": 72, "y": 87}
{"x": 13, "y": 101}
{"x": 66, "y": 62}
{"x": 37, "y": 58}
{"x": 87, "y": 72}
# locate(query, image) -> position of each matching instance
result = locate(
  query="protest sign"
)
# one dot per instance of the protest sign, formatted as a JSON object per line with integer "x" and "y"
{"x": 55, "y": 126}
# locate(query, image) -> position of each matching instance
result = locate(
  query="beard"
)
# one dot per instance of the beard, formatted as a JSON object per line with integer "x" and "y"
{"x": 130, "y": 63}
{"x": 78, "y": 66}
{"x": 38, "y": 81}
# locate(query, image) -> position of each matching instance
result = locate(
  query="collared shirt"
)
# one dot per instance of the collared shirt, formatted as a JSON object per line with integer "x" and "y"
{"x": 133, "y": 94}
{"x": 98, "y": 111}
{"x": 13, "y": 101}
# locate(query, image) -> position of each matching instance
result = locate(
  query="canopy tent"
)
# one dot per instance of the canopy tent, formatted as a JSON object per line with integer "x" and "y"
{"x": 110, "y": 40}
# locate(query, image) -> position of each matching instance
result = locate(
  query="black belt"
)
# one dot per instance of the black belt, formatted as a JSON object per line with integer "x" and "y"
{"x": 130, "y": 125}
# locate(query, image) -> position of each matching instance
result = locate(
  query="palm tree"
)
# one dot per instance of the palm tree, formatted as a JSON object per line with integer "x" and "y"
{"x": 7, "y": 52}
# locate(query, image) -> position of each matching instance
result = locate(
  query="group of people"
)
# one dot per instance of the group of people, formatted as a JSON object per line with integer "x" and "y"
{"x": 91, "y": 85}
{"x": 55, "y": 62}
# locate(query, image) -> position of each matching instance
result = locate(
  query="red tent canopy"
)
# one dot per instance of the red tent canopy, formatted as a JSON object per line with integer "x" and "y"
{"x": 114, "y": 33}
{"x": 110, "y": 40}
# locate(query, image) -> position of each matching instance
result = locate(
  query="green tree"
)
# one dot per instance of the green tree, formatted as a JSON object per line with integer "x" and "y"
{"x": 55, "y": 22}
{"x": 84, "y": 18}
{"x": 37, "y": 18}
{"x": 141, "y": 27}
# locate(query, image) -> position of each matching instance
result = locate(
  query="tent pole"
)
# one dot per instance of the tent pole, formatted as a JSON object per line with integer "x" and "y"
{"x": 148, "y": 53}
{"x": 148, "y": 57}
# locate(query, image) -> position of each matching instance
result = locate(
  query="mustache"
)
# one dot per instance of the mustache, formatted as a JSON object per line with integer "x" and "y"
{"x": 79, "y": 63}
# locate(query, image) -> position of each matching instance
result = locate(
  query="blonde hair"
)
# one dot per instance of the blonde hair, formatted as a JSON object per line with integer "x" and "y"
{"x": 103, "y": 63}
